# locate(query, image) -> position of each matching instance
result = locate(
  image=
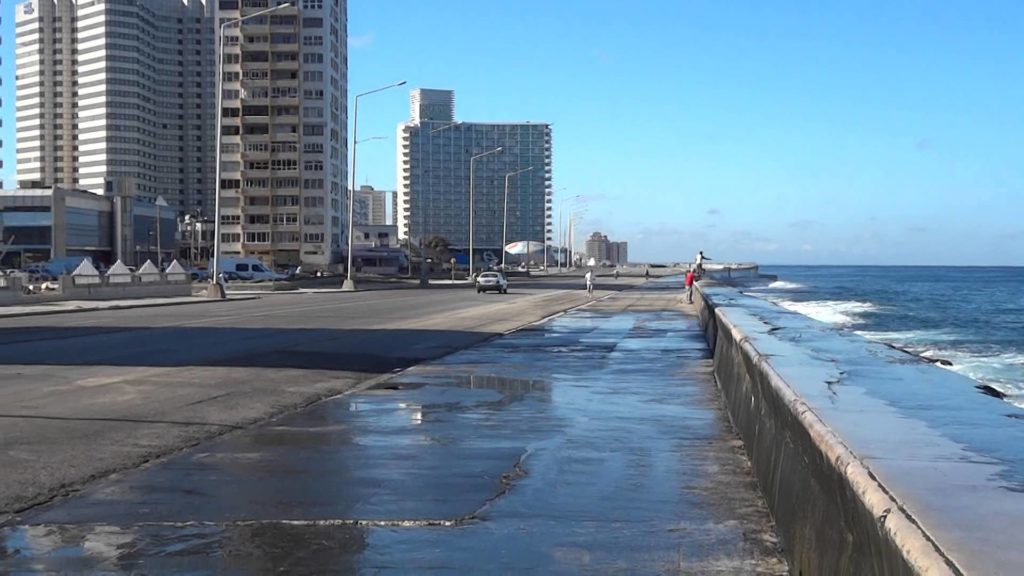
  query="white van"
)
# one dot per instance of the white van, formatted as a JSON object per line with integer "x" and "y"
{"x": 248, "y": 269}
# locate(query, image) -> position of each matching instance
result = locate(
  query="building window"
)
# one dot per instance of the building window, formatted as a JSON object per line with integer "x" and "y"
{"x": 257, "y": 237}
{"x": 286, "y": 219}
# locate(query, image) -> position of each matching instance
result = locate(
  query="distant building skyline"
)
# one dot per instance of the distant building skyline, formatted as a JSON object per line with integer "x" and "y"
{"x": 815, "y": 134}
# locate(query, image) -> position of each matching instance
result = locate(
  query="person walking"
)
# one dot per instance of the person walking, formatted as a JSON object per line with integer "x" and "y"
{"x": 589, "y": 279}
{"x": 691, "y": 277}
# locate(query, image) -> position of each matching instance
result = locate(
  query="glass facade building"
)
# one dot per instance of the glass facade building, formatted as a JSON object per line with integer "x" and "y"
{"x": 434, "y": 172}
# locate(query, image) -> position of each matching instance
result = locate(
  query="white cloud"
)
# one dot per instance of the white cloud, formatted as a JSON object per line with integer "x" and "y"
{"x": 361, "y": 40}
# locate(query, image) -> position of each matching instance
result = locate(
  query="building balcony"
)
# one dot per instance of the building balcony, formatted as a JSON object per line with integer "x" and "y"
{"x": 253, "y": 25}
{"x": 250, "y": 65}
{"x": 254, "y": 46}
{"x": 256, "y": 210}
{"x": 249, "y": 173}
{"x": 263, "y": 155}
{"x": 285, "y": 65}
{"x": 287, "y": 100}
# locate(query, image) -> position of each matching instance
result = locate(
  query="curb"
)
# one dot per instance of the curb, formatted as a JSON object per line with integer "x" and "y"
{"x": 198, "y": 300}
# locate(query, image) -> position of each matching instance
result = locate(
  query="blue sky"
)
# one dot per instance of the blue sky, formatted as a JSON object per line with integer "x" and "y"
{"x": 888, "y": 133}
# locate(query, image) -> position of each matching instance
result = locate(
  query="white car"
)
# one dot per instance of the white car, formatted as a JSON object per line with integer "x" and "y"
{"x": 491, "y": 282}
{"x": 248, "y": 269}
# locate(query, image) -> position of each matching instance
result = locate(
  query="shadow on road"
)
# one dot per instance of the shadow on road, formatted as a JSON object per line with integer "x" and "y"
{"x": 355, "y": 350}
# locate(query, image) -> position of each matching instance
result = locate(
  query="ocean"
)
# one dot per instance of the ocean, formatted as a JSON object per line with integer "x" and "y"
{"x": 972, "y": 317}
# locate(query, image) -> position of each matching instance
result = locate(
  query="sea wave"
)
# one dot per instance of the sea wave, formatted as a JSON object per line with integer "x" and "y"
{"x": 1003, "y": 371}
{"x": 835, "y": 312}
{"x": 916, "y": 340}
{"x": 783, "y": 285}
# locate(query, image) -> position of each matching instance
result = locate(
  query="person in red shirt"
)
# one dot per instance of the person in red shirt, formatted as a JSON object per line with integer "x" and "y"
{"x": 691, "y": 277}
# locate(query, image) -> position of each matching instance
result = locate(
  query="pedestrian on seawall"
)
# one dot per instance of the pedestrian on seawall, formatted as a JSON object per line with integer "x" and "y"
{"x": 691, "y": 277}
{"x": 700, "y": 262}
{"x": 589, "y": 279}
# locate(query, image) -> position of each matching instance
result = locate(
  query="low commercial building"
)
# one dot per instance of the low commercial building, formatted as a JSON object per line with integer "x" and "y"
{"x": 377, "y": 236}
{"x": 41, "y": 224}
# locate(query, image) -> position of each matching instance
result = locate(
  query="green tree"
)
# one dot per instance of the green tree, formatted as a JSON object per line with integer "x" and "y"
{"x": 439, "y": 246}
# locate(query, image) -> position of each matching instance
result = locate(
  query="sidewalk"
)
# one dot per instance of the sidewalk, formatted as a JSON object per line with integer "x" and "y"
{"x": 69, "y": 306}
{"x": 591, "y": 443}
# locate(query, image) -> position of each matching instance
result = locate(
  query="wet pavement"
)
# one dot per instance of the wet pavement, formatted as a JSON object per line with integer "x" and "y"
{"x": 592, "y": 443}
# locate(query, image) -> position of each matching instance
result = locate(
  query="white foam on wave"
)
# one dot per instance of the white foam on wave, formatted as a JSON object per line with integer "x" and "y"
{"x": 919, "y": 340}
{"x": 834, "y": 312}
{"x": 1004, "y": 372}
{"x": 783, "y": 285}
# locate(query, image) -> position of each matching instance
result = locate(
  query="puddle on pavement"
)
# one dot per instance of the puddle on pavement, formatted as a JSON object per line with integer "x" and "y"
{"x": 593, "y": 442}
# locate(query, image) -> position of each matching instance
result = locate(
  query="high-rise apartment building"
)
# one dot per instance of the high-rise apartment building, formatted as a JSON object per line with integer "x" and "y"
{"x": 284, "y": 131}
{"x": 434, "y": 159}
{"x": 618, "y": 252}
{"x": 597, "y": 247}
{"x": 372, "y": 206}
{"x": 2, "y": 69}
{"x": 600, "y": 249}
{"x": 115, "y": 95}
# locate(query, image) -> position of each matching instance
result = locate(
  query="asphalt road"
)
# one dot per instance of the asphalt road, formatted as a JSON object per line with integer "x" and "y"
{"x": 594, "y": 443}
{"x": 86, "y": 395}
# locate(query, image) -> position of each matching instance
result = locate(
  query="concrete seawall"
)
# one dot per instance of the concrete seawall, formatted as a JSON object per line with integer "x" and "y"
{"x": 866, "y": 455}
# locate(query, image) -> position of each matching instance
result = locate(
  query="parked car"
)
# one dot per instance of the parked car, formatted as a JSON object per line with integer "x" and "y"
{"x": 249, "y": 269}
{"x": 491, "y": 282}
{"x": 199, "y": 274}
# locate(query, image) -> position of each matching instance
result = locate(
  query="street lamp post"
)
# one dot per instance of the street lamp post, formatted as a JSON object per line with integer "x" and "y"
{"x": 160, "y": 203}
{"x": 504, "y": 223}
{"x": 472, "y": 166}
{"x": 574, "y": 216}
{"x": 216, "y": 289}
{"x": 360, "y": 142}
{"x": 349, "y": 284}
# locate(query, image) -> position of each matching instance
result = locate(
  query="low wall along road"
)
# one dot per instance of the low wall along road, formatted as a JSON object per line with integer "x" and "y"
{"x": 872, "y": 461}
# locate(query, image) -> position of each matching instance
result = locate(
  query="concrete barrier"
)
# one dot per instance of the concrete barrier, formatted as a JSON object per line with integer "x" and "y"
{"x": 88, "y": 284}
{"x": 833, "y": 513}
